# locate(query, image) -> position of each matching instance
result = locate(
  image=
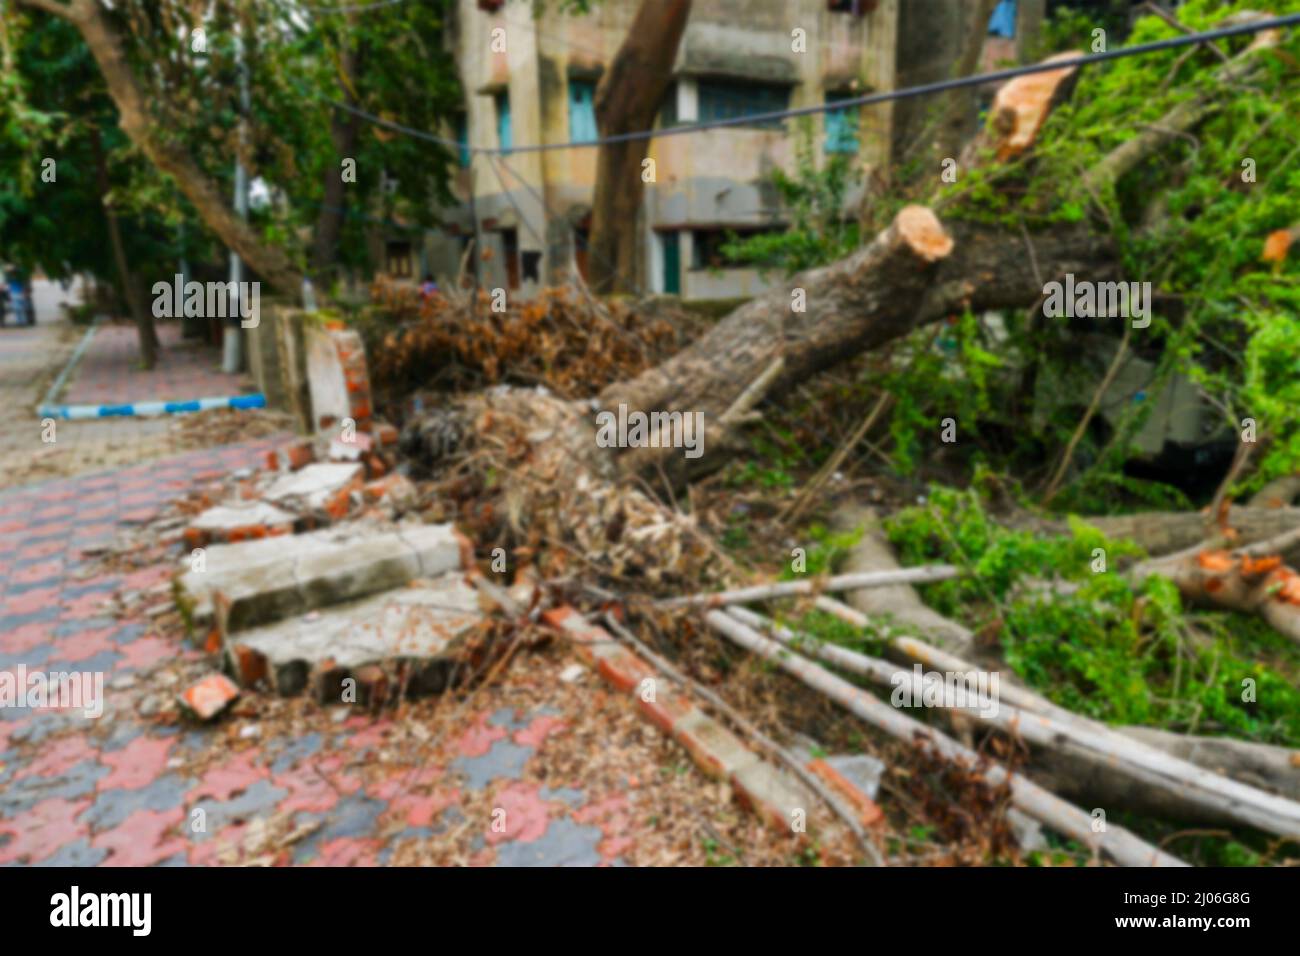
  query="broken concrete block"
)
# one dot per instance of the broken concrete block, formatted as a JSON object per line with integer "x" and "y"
{"x": 238, "y": 521}
{"x": 420, "y": 627}
{"x": 360, "y": 445}
{"x": 778, "y": 799}
{"x": 337, "y": 378}
{"x": 208, "y": 697}
{"x": 262, "y": 581}
{"x": 314, "y": 487}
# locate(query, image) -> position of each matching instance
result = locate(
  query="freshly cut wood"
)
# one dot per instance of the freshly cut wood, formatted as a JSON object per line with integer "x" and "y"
{"x": 1238, "y": 581}
{"x": 1094, "y": 745}
{"x": 1020, "y": 108}
{"x": 1116, "y": 842}
{"x": 839, "y": 582}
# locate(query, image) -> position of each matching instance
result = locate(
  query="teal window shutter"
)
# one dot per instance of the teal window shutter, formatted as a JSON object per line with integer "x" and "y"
{"x": 841, "y": 128}
{"x": 462, "y": 137}
{"x": 582, "y": 111}
{"x": 504, "y": 136}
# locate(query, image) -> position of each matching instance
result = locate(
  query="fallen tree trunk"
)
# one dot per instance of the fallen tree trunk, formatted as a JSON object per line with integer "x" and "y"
{"x": 1163, "y": 532}
{"x": 1278, "y": 493}
{"x": 1237, "y": 581}
{"x": 916, "y": 271}
{"x": 1116, "y": 842}
{"x": 897, "y": 602}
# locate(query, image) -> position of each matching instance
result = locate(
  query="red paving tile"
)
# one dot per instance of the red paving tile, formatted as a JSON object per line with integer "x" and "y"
{"x": 110, "y": 373}
{"x": 41, "y": 831}
{"x": 140, "y": 762}
{"x": 145, "y": 838}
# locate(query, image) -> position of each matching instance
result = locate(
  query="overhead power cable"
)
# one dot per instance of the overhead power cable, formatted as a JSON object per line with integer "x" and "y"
{"x": 924, "y": 89}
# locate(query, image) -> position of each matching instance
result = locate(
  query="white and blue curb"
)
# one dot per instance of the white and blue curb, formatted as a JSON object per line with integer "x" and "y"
{"x": 149, "y": 409}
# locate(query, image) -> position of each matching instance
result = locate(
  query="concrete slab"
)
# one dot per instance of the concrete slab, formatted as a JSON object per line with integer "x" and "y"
{"x": 420, "y": 626}
{"x": 313, "y": 487}
{"x": 224, "y": 522}
{"x": 268, "y": 580}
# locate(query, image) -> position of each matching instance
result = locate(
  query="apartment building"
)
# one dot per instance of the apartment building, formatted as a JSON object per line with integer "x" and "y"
{"x": 533, "y": 81}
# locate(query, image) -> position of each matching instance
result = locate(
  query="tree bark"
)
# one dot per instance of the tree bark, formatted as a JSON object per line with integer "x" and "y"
{"x": 959, "y": 110}
{"x": 915, "y": 272}
{"x": 130, "y": 293}
{"x": 134, "y": 117}
{"x": 627, "y": 99}
{"x": 343, "y": 133}
{"x": 1165, "y": 532}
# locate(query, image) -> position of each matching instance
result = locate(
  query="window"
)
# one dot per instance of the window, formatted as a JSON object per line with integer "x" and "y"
{"x": 582, "y": 111}
{"x": 726, "y": 99}
{"x": 399, "y": 260}
{"x": 668, "y": 111}
{"x": 510, "y": 249}
{"x": 841, "y": 126}
{"x": 706, "y": 246}
{"x": 855, "y": 7}
{"x": 505, "y": 138}
{"x": 581, "y": 237}
{"x": 532, "y": 266}
{"x": 1003, "y": 21}
{"x": 462, "y": 137}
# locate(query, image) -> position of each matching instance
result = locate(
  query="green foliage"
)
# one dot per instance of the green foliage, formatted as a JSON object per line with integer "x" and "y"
{"x": 813, "y": 195}
{"x": 957, "y": 368}
{"x": 1091, "y": 642}
{"x": 1224, "y": 319}
{"x": 390, "y": 61}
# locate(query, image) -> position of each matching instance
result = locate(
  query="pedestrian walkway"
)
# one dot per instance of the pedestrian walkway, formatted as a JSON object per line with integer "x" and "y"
{"x": 31, "y": 358}
{"x": 542, "y": 768}
{"x": 110, "y": 373}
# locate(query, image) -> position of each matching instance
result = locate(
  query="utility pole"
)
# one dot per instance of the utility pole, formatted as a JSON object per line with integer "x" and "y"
{"x": 232, "y": 352}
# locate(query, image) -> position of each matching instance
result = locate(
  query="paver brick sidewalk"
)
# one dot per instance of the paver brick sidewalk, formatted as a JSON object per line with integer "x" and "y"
{"x": 539, "y": 769}
{"x": 109, "y": 372}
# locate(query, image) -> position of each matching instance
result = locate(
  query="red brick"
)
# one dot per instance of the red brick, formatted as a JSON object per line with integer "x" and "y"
{"x": 372, "y": 685}
{"x": 667, "y": 709}
{"x": 623, "y": 669}
{"x": 869, "y": 812}
{"x": 250, "y": 665}
{"x": 208, "y": 697}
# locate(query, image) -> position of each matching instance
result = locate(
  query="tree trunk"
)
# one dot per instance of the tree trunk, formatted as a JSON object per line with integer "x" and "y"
{"x": 913, "y": 273}
{"x": 1164, "y": 532}
{"x": 959, "y": 108}
{"x": 627, "y": 100}
{"x": 130, "y": 294}
{"x": 133, "y": 116}
{"x": 343, "y": 133}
